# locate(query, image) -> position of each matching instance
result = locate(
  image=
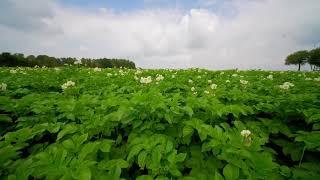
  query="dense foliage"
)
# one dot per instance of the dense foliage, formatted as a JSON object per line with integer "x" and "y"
{"x": 14, "y": 60}
{"x": 302, "y": 57}
{"x": 82, "y": 123}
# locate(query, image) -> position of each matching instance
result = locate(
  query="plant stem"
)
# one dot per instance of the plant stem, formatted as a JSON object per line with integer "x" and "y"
{"x": 304, "y": 148}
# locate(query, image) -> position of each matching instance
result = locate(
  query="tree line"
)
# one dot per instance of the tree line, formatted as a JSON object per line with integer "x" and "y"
{"x": 302, "y": 57}
{"x": 17, "y": 59}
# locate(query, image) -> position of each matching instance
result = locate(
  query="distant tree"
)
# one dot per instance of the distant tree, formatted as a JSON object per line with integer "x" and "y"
{"x": 314, "y": 59}
{"x": 13, "y": 60}
{"x": 297, "y": 58}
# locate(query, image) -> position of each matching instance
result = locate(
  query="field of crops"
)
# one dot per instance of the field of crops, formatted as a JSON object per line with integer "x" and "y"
{"x": 81, "y": 123}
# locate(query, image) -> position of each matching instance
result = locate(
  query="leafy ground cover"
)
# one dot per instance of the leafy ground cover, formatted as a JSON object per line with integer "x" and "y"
{"x": 81, "y": 123}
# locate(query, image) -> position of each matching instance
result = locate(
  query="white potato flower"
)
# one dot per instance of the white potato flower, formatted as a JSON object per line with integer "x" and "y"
{"x": 173, "y": 76}
{"x": 206, "y": 92}
{"x": 146, "y": 80}
{"x": 77, "y": 62}
{"x": 68, "y": 84}
{"x": 96, "y": 69}
{"x": 193, "y": 89}
{"x": 213, "y": 86}
{"x": 3, "y": 87}
{"x": 209, "y": 81}
{"x": 222, "y": 73}
{"x": 286, "y": 85}
{"x": 12, "y": 71}
{"x": 227, "y": 81}
{"x": 244, "y": 82}
{"x": 308, "y": 79}
{"x": 317, "y": 79}
{"x": 159, "y": 77}
{"x": 109, "y": 74}
{"x": 190, "y": 81}
{"x": 270, "y": 77}
{"x": 234, "y": 75}
{"x": 199, "y": 77}
{"x": 245, "y": 133}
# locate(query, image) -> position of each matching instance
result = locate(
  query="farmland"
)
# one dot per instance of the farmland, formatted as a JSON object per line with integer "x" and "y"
{"x": 92, "y": 123}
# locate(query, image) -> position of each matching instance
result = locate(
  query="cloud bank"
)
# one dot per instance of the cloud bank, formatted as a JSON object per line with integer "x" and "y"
{"x": 242, "y": 34}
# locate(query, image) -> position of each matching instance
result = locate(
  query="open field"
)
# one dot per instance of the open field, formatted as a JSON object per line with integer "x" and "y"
{"x": 81, "y": 123}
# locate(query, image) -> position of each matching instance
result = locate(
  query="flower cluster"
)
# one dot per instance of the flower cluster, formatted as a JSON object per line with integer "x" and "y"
{"x": 308, "y": 79}
{"x": 317, "y": 79}
{"x": 270, "y": 77}
{"x": 159, "y": 77}
{"x": 213, "y": 86}
{"x": 245, "y": 133}
{"x": 3, "y": 87}
{"x": 12, "y": 71}
{"x": 146, "y": 80}
{"x": 244, "y": 82}
{"x": 209, "y": 81}
{"x": 247, "y": 137}
{"x": 190, "y": 81}
{"x": 286, "y": 85}
{"x": 68, "y": 84}
{"x": 234, "y": 75}
{"x": 96, "y": 69}
{"x": 77, "y": 62}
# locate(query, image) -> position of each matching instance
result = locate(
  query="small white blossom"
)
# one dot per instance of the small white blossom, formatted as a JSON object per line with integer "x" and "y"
{"x": 190, "y": 81}
{"x": 36, "y": 66}
{"x": 68, "y": 84}
{"x": 12, "y": 71}
{"x": 136, "y": 78}
{"x": 206, "y": 92}
{"x": 317, "y": 79}
{"x": 286, "y": 85}
{"x": 96, "y": 69}
{"x": 289, "y": 84}
{"x": 77, "y": 62}
{"x": 173, "y": 76}
{"x": 159, "y": 77}
{"x": 146, "y": 80}
{"x": 3, "y": 87}
{"x": 308, "y": 79}
{"x": 138, "y": 72}
{"x": 209, "y": 81}
{"x": 227, "y": 81}
{"x": 270, "y": 77}
{"x": 199, "y": 77}
{"x": 213, "y": 86}
{"x": 222, "y": 73}
{"x": 57, "y": 69}
{"x": 193, "y": 89}
{"x": 234, "y": 75}
{"x": 244, "y": 82}
{"x": 245, "y": 133}
{"x": 109, "y": 74}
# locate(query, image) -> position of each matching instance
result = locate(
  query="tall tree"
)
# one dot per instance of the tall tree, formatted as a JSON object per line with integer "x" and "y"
{"x": 314, "y": 59}
{"x": 297, "y": 58}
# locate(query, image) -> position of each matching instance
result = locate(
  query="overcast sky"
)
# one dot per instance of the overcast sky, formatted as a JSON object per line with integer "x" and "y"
{"x": 214, "y": 34}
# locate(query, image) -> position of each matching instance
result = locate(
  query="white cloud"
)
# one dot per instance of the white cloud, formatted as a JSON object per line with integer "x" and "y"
{"x": 259, "y": 36}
